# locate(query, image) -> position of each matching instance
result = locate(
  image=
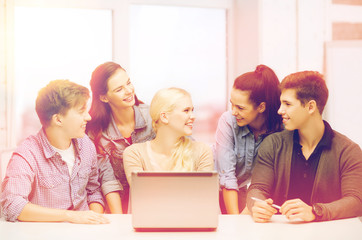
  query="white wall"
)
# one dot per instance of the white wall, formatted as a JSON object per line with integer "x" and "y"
{"x": 344, "y": 75}
{"x": 295, "y": 35}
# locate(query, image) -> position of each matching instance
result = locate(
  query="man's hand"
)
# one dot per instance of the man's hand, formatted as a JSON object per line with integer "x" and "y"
{"x": 85, "y": 217}
{"x": 296, "y": 208}
{"x": 262, "y": 211}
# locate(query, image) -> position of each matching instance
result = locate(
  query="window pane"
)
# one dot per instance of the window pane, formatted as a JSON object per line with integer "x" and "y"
{"x": 182, "y": 47}
{"x": 55, "y": 43}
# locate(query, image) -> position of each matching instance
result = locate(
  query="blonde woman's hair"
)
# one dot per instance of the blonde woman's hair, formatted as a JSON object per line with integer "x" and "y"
{"x": 165, "y": 100}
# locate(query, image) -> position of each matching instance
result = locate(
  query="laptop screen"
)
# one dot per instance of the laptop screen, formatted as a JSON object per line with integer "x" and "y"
{"x": 167, "y": 200}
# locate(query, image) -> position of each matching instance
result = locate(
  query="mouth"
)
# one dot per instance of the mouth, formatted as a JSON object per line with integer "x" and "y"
{"x": 238, "y": 119}
{"x": 285, "y": 119}
{"x": 190, "y": 124}
{"x": 129, "y": 99}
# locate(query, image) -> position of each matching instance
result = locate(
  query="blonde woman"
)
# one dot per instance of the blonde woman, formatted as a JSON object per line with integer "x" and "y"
{"x": 172, "y": 116}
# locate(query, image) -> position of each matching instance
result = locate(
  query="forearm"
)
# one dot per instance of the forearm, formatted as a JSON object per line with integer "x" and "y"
{"x": 231, "y": 200}
{"x": 36, "y": 213}
{"x": 96, "y": 207}
{"x": 114, "y": 202}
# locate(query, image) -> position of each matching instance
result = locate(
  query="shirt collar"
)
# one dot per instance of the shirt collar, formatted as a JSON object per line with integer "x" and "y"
{"x": 326, "y": 140}
{"x": 48, "y": 149}
{"x": 139, "y": 118}
{"x": 244, "y": 130}
{"x": 112, "y": 130}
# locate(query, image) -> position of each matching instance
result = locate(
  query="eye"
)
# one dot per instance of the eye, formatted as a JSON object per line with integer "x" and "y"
{"x": 82, "y": 110}
{"x": 187, "y": 110}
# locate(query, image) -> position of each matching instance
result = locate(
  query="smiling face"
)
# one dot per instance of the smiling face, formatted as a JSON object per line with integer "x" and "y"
{"x": 75, "y": 120}
{"x": 120, "y": 92}
{"x": 242, "y": 108}
{"x": 182, "y": 117}
{"x": 294, "y": 114}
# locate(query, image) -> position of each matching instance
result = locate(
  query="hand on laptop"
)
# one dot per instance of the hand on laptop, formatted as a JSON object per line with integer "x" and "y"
{"x": 262, "y": 211}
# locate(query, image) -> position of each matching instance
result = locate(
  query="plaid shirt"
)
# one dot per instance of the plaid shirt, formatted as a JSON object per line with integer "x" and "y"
{"x": 36, "y": 173}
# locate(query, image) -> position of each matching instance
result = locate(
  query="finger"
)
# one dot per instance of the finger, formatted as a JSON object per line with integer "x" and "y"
{"x": 261, "y": 217}
{"x": 99, "y": 218}
{"x": 293, "y": 211}
{"x": 295, "y": 216}
{"x": 290, "y": 202}
{"x": 260, "y": 220}
{"x": 104, "y": 220}
{"x": 265, "y": 206}
{"x": 262, "y": 213}
{"x": 287, "y": 206}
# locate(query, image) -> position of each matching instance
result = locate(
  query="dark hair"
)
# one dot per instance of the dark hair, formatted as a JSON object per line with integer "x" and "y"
{"x": 59, "y": 96}
{"x": 263, "y": 86}
{"x": 309, "y": 85}
{"x": 101, "y": 111}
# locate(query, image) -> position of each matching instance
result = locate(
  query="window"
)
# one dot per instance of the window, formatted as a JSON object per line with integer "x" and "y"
{"x": 55, "y": 43}
{"x": 182, "y": 47}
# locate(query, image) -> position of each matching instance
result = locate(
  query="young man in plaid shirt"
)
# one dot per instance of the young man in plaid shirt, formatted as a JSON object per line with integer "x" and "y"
{"x": 53, "y": 176}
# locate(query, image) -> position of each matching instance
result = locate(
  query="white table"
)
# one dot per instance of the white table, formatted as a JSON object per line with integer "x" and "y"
{"x": 230, "y": 227}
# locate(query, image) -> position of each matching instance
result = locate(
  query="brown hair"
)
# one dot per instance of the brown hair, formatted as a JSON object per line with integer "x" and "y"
{"x": 101, "y": 111}
{"x": 263, "y": 85}
{"x": 58, "y": 97}
{"x": 309, "y": 85}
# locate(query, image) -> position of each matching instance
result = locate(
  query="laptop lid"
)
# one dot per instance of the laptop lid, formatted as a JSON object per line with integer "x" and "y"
{"x": 175, "y": 200}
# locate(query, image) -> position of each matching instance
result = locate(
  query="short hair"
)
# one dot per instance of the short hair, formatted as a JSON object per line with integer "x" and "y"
{"x": 309, "y": 85}
{"x": 58, "y": 97}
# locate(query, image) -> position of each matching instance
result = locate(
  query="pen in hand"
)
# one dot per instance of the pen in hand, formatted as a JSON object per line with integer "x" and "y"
{"x": 259, "y": 200}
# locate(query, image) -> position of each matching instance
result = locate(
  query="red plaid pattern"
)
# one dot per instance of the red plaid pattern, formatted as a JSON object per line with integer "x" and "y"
{"x": 37, "y": 174}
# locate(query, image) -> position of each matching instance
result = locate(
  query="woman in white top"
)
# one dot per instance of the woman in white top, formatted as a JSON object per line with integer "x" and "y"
{"x": 172, "y": 116}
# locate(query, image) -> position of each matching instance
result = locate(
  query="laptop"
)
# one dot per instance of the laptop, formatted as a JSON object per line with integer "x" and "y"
{"x": 172, "y": 201}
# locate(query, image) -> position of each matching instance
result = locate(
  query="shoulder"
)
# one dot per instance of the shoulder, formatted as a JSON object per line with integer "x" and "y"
{"x": 143, "y": 118}
{"x": 136, "y": 147}
{"x": 85, "y": 142}
{"x": 280, "y": 136}
{"x": 143, "y": 108}
{"x": 30, "y": 148}
{"x": 342, "y": 144}
{"x": 341, "y": 139}
{"x": 227, "y": 124}
{"x": 227, "y": 117}
{"x": 201, "y": 147}
{"x": 277, "y": 140}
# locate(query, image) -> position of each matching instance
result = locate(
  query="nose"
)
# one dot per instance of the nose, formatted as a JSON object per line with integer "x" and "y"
{"x": 192, "y": 116}
{"x": 280, "y": 110}
{"x": 129, "y": 89}
{"x": 87, "y": 117}
{"x": 233, "y": 111}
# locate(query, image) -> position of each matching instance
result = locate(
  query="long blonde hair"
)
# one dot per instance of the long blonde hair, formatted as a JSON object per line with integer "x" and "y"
{"x": 165, "y": 100}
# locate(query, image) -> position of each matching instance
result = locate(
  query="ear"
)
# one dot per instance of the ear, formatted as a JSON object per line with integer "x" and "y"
{"x": 261, "y": 108}
{"x": 164, "y": 118}
{"x": 57, "y": 119}
{"x": 312, "y": 106}
{"x": 103, "y": 98}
